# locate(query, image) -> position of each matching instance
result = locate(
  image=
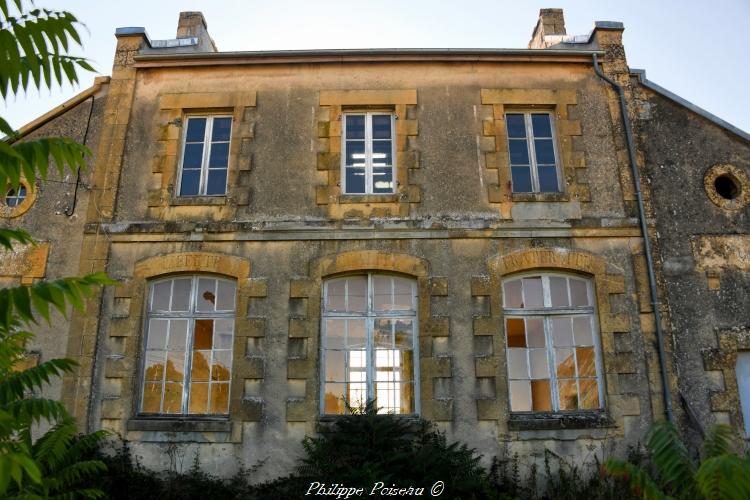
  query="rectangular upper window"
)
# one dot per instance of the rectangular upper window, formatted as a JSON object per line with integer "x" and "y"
{"x": 205, "y": 156}
{"x": 534, "y": 161}
{"x": 368, "y": 153}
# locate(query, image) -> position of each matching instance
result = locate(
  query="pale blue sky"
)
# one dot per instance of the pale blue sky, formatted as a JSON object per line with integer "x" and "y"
{"x": 696, "y": 49}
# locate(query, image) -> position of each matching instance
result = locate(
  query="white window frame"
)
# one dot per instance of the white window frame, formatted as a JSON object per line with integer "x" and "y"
{"x": 203, "y": 184}
{"x": 535, "y": 189}
{"x": 370, "y": 316}
{"x": 191, "y": 315}
{"x": 17, "y": 198}
{"x": 368, "y": 152}
{"x": 548, "y": 313}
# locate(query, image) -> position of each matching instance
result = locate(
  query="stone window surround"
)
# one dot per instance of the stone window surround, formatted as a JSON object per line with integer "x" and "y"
{"x": 738, "y": 176}
{"x": 616, "y": 404}
{"x": 121, "y": 369}
{"x": 722, "y": 359}
{"x": 23, "y": 207}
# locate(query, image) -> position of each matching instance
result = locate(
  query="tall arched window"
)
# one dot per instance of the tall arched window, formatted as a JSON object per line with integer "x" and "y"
{"x": 188, "y": 346}
{"x": 554, "y": 361}
{"x": 369, "y": 344}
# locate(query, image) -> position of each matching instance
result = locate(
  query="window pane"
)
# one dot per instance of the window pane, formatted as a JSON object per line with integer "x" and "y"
{"x": 383, "y": 333}
{"x": 221, "y": 130}
{"x": 223, "y": 333}
{"x": 355, "y": 126}
{"x": 190, "y": 184}
{"x": 407, "y": 397}
{"x": 381, "y": 126}
{"x": 589, "y": 394}
{"x": 335, "y": 333}
{"x": 548, "y": 179}
{"x": 540, "y": 122}
{"x": 204, "y": 334}
{"x": 382, "y": 290}
{"x": 403, "y": 294}
{"x": 355, "y": 153}
{"x": 541, "y": 395}
{"x": 181, "y": 294}
{"x": 333, "y": 399}
{"x": 582, "y": 331}
{"x": 568, "y": 394}
{"x": 404, "y": 334}
{"x": 220, "y": 398}
{"x": 533, "y": 297}
{"x": 512, "y": 293}
{"x": 219, "y": 157}
{"x": 152, "y": 397}
{"x": 578, "y": 293}
{"x": 545, "y": 151}
{"x": 177, "y": 334}
{"x": 196, "y": 130}
{"x": 198, "y": 398}
{"x": 518, "y": 365}
{"x": 562, "y": 334}
{"x": 336, "y": 295}
{"x": 161, "y": 293}
{"x": 193, "y": 157}
{"x": 217, "y": 182}
{"x": 206, "y": 296}
{"x": 538, "y": 363}
{"x": 535, "y": 332}
{"x": 381, "y": 153}
{"x": 357, "y": 294}
{"x": 225, "y": 292}
{"x": 335, "y": 367}
{"x": 520, "y": 395}
{"x": 355, "y": 180}
{"x": 221, "y": 366}
{"x": 154, "y": 366}
{"x": 157, "y": 334}
{"x": 515, "y": 331}
{"x": 516, "y": 125}
{"x": 521, "y": 177}
{"x": 172, "y": 397}
{"x": 566, "y": 367}
{"x": 382, "y": 180}
{"x": 356, "y": 334}
{"x": 175, "y": 366}
{"x": 357, "y": 394}
{"x": 199, "y": 370}
{"x": 558, "y": 291}
{"x": 586, "y": 362}
{"x": 519, "y": 152}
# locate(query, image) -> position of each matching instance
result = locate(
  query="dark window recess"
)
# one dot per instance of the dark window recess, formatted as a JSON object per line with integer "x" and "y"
{"x": 727, "y": 187}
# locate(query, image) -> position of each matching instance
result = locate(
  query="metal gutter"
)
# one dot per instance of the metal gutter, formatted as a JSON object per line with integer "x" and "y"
{"x": 646, "y": 240}
{"x": 641, "y": 75}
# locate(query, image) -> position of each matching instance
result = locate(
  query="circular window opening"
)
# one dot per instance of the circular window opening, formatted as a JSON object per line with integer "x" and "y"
{"x": 727, "y": 187}
{"x": 14, "y": 198}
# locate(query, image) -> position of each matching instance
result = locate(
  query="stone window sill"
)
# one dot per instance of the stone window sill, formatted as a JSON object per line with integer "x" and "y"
{"x": 369, "y": 198}
{"x": 192, "y": 424}
{"x": 540, "y": 197}
{"x": 561, "y": 420}
{"x": 198, "y": 200}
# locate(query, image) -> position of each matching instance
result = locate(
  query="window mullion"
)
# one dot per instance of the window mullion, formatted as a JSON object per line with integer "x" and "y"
{"x": 532, "y": 152}
{"x": 206, "y": 155}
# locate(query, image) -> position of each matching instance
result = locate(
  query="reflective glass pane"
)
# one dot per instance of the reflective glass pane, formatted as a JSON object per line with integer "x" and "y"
{"x": 404, "y": 334}
{"x": 355, "y": 126}
{"x": 152, "y": 397}
{"x": 335, "y": 333}
{"x": 204, "y": 334}
{"x": 568, "y": 394}
{"x": 217, "y": 182}
{"x": 356, "y": 333}
{"x": 548, "y": 179}
{"x": 196, "y": 130}
{"x": 357, "y": 295}
{"x": 225, "y": 292}
{"x": 355, "y": 180}
{"x": 223, "y": 333}
{"x": 175, "y": 366}
{"x": 161, "y": 293}
{"x": 516, "y": 125}
{"x": 206, "y": 296}
{"x": 545, "y": 152}
{"x": 382, "y": 179}
{"x": 219, "y": 398}
{"x": 538, "y": 363}
{"x": 403, "y": 295}
{"x": 193, "y": 157}
{"x": 157, "y": 333}
{"x": 586, "y": 362}
{"x": 535, "y": 332}
{"x": 381, "y": 126}
{"x": 589, "y": 390}
{"x": 357, "y": 359}
{"x": 383, "y": 333}
{"x": 407, "y": 397}
{"x": 381, "y": 153}
{"x": 512, "y": 293}
{"x": 336, "y": 295}
{"x": 181, "y": 294}
{"x": 541, "y": 395}
{"x": 335, "y": 367}
{"x": 578, "y": 293}
{"x": 519, "y": 153}
{"x": 521, "y": 177}
{"x": 190, "y": 183}
{"x": 566, "y": 365}
{"x": 582, "y": 331}
{"x": 221, "y": 130}
{"x": 154, "y": 365}
{"x": 533, "y": 296}
{"x": 172, "y": 397}
{"x": 199, "y": 371}
{"x": 357, "y": 394}
{"x": 515, "y": 332}
{"x": 355, "y": 153}
{"x": 540, "y": 123}
{"x": 520, "y": 395}
{"x": 518, "y": 366}
{"x": 333, "y": 399}
{"x": 558, "y": 291}
{"x": 221, "y": 365}
{"x": 198, "y": 398}
{"x": 177, "y": 334}
{"x": 219, "y": 156}
{"x": 562, "y": 333}
{"x": 382, "y": 287}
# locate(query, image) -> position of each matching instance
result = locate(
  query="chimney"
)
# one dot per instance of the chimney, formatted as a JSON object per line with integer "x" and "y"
{"x": 551, "y": 22}
{"x": 193, "y": 24}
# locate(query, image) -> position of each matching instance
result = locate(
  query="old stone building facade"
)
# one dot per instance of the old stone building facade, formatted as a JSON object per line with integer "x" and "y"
{"x": 455, "y": 233}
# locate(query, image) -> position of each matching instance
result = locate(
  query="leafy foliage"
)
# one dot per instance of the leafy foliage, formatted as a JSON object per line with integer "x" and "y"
{"x": 720, "y": 475}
